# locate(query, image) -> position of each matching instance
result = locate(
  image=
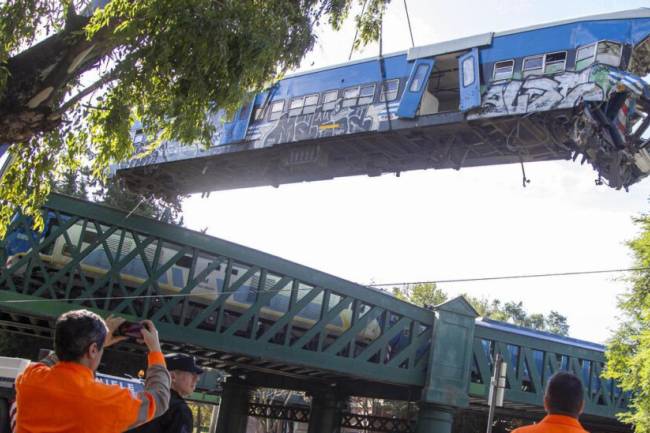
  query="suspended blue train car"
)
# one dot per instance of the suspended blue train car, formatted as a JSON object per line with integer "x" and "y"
{"x": 571, "y": 89}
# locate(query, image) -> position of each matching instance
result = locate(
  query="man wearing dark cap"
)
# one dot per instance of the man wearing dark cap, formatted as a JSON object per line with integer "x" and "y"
{"x": 563, "y": 402}
{"x": 178, "y": 418}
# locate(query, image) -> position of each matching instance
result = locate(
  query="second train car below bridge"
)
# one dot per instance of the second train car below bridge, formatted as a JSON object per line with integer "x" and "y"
{"x": 570, "y": 89}
{"x": 101, "y": 260}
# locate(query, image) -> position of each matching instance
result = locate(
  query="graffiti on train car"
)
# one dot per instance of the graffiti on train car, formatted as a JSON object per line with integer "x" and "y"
{"x": 542, "y": 93}
{"x": 319, "y": 124}
{"x": 172, "y": 150}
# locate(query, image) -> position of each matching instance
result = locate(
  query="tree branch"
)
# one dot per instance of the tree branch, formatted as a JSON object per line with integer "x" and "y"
{"x": 87, "y": 91}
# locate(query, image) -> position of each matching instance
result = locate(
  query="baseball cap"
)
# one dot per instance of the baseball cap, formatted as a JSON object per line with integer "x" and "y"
{"x": 182, "y": 362}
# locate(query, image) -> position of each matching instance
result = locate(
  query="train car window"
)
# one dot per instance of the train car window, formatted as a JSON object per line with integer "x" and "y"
{"x": 419, "y": 78}
{"x": 367, "y": 95}
{"x": 185, "y": 262}
{"x": 389, "y": 90}
{"x": 139, "y": 137}
{"x": 258, "y": 113}
{"x": 311, "y": 102}
{"x": 329, "y": 100}
{"x": 276, "y": 110}
{"x": 350, "y": 97}
{"x": 49, "y": 229}
{"x": 468, "y": 72}
{"x": 295, "y": 108}
{"x": 609, "y": 53}
{"x": 89, "y": 237}
{"x": 533, "y": 66}
{"x": 177, "y": 278}
{"x": 585, "y": 56}
{"x": 554, "y": 62}
{"x": 503, "y": 70}
{"x": 68, "y": 250}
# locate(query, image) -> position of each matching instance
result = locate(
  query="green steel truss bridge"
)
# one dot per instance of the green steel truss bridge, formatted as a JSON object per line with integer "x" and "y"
{"x": 359, "y": 342}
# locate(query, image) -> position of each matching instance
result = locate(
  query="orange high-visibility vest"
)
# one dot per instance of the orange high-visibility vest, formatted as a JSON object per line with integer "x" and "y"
{"x": 66, "y": 398}
{"x": 553, "y": 424}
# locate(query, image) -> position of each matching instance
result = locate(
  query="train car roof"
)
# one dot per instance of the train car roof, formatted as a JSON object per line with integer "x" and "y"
{"x": 341, "y": 65}
{"x": 486, "y": 38}
{"x": 510, "y": 328}
{"x": 483, "y": 39}
{"x": 621, "y": 15}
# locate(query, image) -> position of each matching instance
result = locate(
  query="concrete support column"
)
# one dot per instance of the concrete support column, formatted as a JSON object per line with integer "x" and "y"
{"x": 433, "y": 418}
{"x": 233, "y": 410}
{"x": 325, "y": 414}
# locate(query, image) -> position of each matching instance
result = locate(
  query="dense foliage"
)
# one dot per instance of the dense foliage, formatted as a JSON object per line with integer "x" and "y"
{"x": 427, "y": 294}
{"x": 628, "y": 351}
{"x": 110, "y": 191}
{"x": 75, "y": 74}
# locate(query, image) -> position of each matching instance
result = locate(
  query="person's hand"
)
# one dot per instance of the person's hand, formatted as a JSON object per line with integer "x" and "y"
{"x": 112, "y": 323}
{"x": 150, "y": 336}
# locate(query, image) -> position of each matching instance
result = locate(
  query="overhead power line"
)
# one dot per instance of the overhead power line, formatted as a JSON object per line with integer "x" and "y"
{"x": 512, "y": 277}
{"x": 289, "y": 289}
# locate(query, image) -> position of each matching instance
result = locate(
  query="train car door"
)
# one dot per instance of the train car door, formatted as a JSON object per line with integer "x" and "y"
{"x": 236, "y": 130}
{"x": 415, "y": 87}
{"x": 469, "y": 79}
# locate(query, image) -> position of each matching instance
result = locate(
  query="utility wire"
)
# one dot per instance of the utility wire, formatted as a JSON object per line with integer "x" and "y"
{"x": 285, "y": 289}
{"x": 512, "y": 277}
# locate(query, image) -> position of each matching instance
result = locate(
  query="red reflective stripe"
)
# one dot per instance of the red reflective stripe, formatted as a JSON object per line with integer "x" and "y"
{"x": 152, "y": 406}
{"x": 625, "y": 108}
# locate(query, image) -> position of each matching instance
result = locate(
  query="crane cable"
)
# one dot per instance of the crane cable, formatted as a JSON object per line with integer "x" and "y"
{"x": 408, "y": 20}
{"x": 356, "y": 31}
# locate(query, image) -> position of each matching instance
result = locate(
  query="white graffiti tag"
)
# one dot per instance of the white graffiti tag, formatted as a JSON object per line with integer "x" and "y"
{"x": 538, "y": 94}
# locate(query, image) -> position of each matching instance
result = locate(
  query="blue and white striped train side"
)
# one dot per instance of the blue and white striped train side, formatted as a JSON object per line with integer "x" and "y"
{"x": 171, "y": 281}
{"x": 553, "y": 91}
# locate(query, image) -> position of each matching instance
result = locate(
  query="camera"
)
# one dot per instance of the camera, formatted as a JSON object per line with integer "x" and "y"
{"x": 129, "y": 329}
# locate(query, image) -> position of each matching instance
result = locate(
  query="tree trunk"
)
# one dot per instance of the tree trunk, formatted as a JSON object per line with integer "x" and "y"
{"x": 40, "y": 77}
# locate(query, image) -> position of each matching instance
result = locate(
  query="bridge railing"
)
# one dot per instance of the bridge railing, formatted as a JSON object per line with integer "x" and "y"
{"x": 210, "y": 293}
{"x": 532, "y": 357}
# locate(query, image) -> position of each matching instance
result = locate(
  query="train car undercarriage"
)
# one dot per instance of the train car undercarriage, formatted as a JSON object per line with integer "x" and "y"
{"x": 444, "y": 140}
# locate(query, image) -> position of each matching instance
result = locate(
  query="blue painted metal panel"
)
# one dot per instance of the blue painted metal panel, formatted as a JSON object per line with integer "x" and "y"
{"x": 20, "y": 239}
{"x": 470, "y": 80}
{"x": 564, "y": 37}
{"x": 415, "y": 87}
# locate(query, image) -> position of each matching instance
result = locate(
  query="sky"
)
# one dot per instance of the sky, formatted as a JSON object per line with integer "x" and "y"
{"x": 443, "y": 224}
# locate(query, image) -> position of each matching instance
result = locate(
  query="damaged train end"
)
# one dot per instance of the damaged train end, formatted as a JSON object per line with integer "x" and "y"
{"x": 613, "y": 135}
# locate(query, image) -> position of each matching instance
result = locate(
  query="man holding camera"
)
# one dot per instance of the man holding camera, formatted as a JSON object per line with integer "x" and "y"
{"x": 60, "y": 393}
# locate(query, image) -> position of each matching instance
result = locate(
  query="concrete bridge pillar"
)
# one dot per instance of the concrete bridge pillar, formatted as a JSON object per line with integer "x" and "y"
{"x": 233, "y": 410}
{"x": 325, "y": 414}
{"x": 433, "y": 418}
